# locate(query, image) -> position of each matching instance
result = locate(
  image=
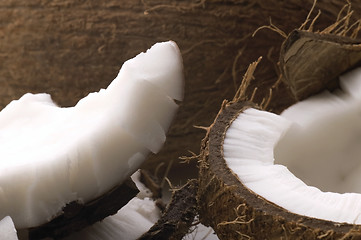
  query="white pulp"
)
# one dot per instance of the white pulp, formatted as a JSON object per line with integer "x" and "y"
{"x": 319, "y": 139}
{"x": 129, "y": 223}
{"x": 51, "y": 156}
{"x": 7, "y": 229}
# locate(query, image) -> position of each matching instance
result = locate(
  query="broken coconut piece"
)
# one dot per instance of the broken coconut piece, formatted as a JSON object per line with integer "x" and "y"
{"x": 141, "y": 218}
{"x": 129, "y": 223}
{"x": 118, "y": 207}
{"x": 7, "y": 229}
{"x": 77, "y": 216}
{"x": 52, "y": 156}
{"x": 245, "y": 162}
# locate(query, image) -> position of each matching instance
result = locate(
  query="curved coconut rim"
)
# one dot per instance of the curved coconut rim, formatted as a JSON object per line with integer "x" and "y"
{"x": 217, "y": 164}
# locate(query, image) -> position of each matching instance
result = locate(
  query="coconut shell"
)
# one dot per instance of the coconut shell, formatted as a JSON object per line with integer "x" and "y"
{"x": 235, "y": 212}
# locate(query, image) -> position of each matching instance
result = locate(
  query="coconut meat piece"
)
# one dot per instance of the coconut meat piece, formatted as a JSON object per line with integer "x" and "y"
{"x": 52, "y": 155}
{"x": 130, "y": 222}
{"x": 7, "y": 229}
{"x": 318, "y": 140}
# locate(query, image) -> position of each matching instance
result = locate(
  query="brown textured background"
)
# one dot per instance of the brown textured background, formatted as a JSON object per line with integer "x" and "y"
{"x": 69, "y": 48}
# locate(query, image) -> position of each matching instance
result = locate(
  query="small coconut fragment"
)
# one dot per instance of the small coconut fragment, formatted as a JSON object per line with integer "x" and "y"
{"x": 76, "y": 216}
{"x": 130, "y": 222}
{"x": 142, "y": 219}
{"x": 7, "y": 229}
{"x": 52, "y": 156}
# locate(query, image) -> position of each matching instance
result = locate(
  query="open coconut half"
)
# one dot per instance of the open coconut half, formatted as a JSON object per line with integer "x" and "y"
{"x": 52, "y": 156}
{"x": 289, "y": 176}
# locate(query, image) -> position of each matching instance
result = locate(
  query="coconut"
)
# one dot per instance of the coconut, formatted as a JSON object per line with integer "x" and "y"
{"x": 141, "y": 217}
{"x": 70, "y": 48}
{"x": 247, "y": 190}
{"x": 236, "y": 210}
{"x": 130, "y": 222}
{"x": 72, "y": 161}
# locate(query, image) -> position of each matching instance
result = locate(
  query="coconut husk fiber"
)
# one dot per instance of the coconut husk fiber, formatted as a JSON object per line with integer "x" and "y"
{"x": 69, "y": 48}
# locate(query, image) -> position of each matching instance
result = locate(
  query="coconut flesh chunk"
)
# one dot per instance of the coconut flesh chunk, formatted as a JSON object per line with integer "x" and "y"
{"x": 7, "y": 229}
{"x": 130, "y": 222}
{"x": 307, "y": 160}
{"x": 52, "y": 156}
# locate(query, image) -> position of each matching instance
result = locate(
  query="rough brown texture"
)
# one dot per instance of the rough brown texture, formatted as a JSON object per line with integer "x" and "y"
{"x": 235, "y": 212}
{"x": 71, "y": 47}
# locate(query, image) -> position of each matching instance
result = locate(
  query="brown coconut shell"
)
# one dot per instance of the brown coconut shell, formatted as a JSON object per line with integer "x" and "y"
{"x": 308, "y": 65}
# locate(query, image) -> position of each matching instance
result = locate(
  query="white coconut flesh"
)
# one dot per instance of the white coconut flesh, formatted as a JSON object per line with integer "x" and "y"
{"x": 51, "y": 156}
{"x": 308, "y": 160}
{"x": 7, "y": 229}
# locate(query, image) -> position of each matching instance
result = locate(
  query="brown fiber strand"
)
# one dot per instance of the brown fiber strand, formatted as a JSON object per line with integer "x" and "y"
{"x": 247, "y": 78}
{"x": 303, "y": 25}
{"x": 272, "y": 27}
